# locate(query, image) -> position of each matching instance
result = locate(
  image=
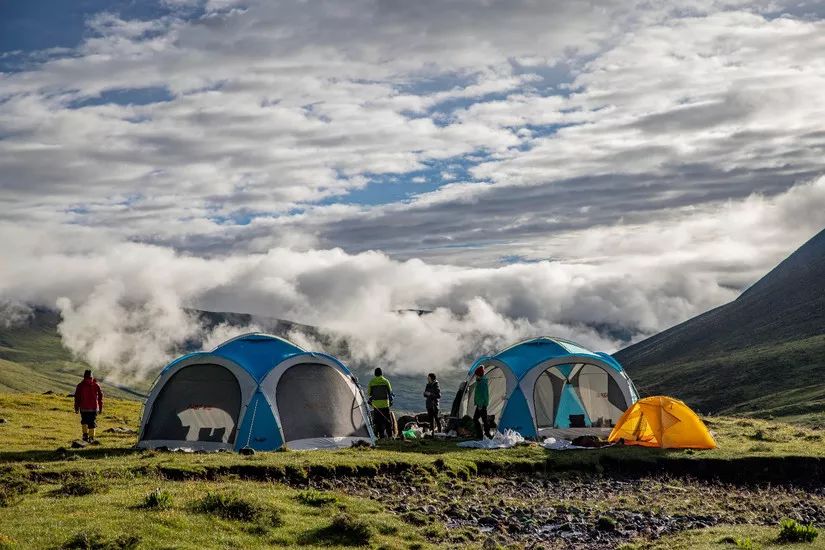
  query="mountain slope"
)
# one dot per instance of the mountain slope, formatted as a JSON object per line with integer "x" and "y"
{"x": 752, "y": 354}
{"x": 33, "y": 359}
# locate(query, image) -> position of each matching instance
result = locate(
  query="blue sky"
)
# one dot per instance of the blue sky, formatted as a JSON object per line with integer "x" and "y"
{"x": 31, "y": 27}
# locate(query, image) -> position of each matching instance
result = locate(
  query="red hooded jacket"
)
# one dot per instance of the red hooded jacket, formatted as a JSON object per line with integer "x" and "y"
{"x": 88, "y": 396}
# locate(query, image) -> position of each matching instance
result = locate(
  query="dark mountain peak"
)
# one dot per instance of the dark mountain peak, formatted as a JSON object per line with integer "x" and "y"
{"x": 786, "y": 304}
{"x": 794, "y": 274}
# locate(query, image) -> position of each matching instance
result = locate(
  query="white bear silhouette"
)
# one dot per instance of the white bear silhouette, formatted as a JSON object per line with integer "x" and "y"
{"x": 199, "y": 418}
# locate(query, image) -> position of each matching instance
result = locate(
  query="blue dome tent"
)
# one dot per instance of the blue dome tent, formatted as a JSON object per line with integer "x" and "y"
{"x": 256, "y": 391}
{"x": 551, "y": 387}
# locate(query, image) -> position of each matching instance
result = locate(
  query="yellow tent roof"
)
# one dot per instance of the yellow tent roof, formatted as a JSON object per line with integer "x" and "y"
{"x": 663, "y": 422}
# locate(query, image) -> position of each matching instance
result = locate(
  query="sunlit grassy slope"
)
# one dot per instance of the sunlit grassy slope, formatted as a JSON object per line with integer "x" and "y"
{"x": 782, "y": 381}
{"x": 33, "y": 359}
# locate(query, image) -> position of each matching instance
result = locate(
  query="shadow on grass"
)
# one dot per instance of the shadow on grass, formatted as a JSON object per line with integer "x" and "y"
{"x": 394, "y": 458}
{"x": 60, "y": 454}
{"x": 345, "y": 530}
{"x": 421, "y": 446}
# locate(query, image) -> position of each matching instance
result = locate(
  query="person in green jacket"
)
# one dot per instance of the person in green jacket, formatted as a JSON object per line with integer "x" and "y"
{"x": 481, "y": 399}
{"x": 380, "y": 396}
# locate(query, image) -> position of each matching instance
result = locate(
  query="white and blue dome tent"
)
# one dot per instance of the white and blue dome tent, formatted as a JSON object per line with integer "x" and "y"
{"x": 256, "y": 391}
{"x": 546, "y": 387}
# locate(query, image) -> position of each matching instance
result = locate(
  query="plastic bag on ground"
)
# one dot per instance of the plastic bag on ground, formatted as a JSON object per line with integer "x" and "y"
{"x": 560, "y": 444}
{"x": 500, "y": 440}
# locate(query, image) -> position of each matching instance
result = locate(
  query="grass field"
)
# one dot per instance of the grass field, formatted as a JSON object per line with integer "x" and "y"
{"x": 779, "y": 381}
{"x": 56, "y": 496}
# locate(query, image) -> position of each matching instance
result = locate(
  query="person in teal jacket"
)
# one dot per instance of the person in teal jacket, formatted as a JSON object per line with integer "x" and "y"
{"x": 380, "y": 396}
{"x": 481, "y": 399}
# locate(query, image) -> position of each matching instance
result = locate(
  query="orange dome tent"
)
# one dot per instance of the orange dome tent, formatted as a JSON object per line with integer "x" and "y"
{"x": 662, "y": 422}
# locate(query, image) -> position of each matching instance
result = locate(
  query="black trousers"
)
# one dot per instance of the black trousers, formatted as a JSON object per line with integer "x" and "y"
{"x": 481, "y": 427}
{"x": 89, "y": 418}
{"x": 434, "y": 418}
{"x": 382, "y": 421}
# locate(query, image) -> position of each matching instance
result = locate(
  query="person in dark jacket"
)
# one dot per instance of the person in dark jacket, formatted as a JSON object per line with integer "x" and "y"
{"x": 88, "y": 401}
{"x": 432, "y": 394}
{"x": 481, "y": 399}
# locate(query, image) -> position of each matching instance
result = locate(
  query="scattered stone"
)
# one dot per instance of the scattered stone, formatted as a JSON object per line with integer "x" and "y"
{"x": 77, "y": 444}
{"x": 49, "y": 392}
{"x": 120, "y": 430}
{"x": 606, "y": 523}
{"x": 575, "y": 511}
{"x": 3, "y": 421}
{"x": 247, "y": 451}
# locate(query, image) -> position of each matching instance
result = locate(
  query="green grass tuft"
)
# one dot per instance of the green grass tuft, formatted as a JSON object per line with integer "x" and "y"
{"x": 79, "y": 488}
{"x": 14, "y": 483}
{"x": 228, "y": 507}
{"x": 313, "y": 497}
{"x": 417, "y": 518}
{"x": 95, "y": 541}
{"x": 157, "y": 500}
{"x": 792, "y": 531}
{"x": 238, "y": 508}
{"x": 345, "y": 530}
{"x": 606, "y": 523}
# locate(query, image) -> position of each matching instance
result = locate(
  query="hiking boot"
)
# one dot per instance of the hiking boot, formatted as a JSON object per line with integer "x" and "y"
{"x": 93, "y": 441}
{"x": 86, "y": 438}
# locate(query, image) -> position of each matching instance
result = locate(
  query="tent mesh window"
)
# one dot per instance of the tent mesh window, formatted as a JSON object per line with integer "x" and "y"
{"x": 600, "y": 395}
{"x": 497, "y": 383}
{"x": 597, "y": 391}
{"x": 315, "y": 400}
{"x": 198, "y": 403}
{"x": 547, "y": 396}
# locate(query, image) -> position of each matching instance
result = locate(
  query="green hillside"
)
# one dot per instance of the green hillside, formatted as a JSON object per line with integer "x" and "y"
{"x": 762, "y": 354}
{"x": 781, "y": 381}
{"x": 33, "y": 359}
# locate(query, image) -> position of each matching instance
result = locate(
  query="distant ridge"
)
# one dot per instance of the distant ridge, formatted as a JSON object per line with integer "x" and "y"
{"x": 33, "y": 359}
{"x": 770, "y": 340}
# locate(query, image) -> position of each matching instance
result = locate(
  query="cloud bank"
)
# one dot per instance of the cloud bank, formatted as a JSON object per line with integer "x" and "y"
{"x": 599, "y": 171}
{"x": 125, "y": 305}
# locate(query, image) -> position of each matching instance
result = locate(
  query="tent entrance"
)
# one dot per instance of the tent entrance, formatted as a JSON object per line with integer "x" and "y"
{"x": 577, "y": 396}
{"x": 317, "y": 401}
{"x": 198, "y": 403}
{"x": 497, "y": 382}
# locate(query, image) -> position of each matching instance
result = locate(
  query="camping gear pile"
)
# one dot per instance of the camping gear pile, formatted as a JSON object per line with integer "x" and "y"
{"x": 499, "y": 440}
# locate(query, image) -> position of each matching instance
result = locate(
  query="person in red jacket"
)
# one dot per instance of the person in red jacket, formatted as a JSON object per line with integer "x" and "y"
{"x": 88, "y": 401}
